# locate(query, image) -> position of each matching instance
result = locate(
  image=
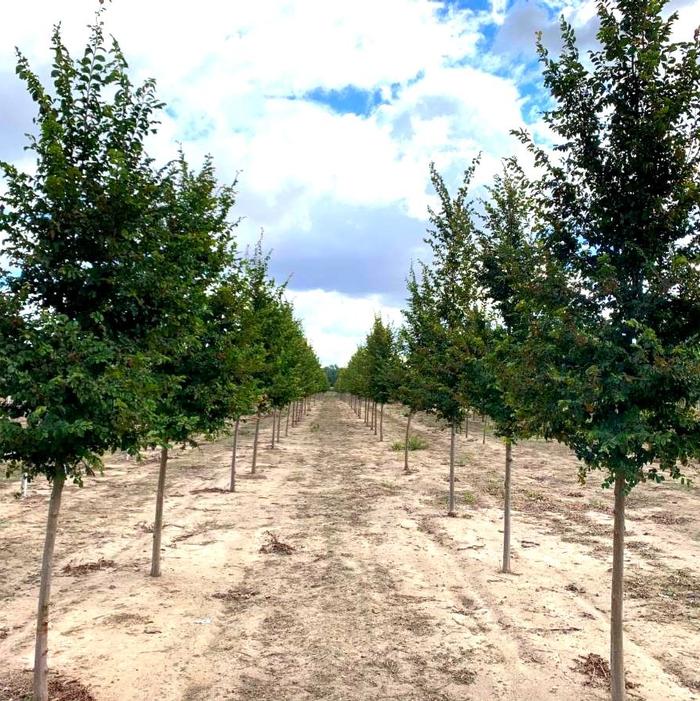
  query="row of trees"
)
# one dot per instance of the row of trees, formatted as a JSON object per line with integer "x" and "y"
{"x": 128, "y": 319}
{"x": 567, "y": 305}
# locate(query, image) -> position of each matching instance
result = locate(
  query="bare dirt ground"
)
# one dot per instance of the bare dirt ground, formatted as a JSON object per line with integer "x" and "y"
{"x": 334, "y": 576}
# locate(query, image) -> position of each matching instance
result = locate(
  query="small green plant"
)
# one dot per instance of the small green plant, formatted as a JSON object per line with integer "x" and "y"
{"x": 414, "y": 443}
{"x": 469, "y": 498}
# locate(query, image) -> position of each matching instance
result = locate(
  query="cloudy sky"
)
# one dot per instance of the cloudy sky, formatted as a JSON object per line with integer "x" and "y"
{"x": 330, "y": 112}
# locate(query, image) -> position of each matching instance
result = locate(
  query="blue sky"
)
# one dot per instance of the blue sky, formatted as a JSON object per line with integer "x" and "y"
{"x": 330, "y": 114}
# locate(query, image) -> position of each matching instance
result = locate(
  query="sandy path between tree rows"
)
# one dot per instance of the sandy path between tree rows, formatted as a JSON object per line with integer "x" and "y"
{"x": 382, "y": 596}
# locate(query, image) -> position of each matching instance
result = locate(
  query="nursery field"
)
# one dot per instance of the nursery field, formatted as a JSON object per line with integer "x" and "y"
{"x": 331, "y": 574}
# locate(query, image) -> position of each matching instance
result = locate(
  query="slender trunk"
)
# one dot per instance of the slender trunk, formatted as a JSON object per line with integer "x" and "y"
{"x": 381, "y": 424}
{"x": 286, "y": 428}
{"x": 466, "y": 426}
{"x": 405, "y": 447}
{"x": 232, "y": 486}
{"x": 158, "y": 523}
{"x": 617, "y": 661}
{"x": 41, "y": 650}
{"x": 506, "y": 508}
{"x": 451, "y": 511}
{"x": 274, "y": 428}
{"x": 279, "y": 424}
{"x": 374, "y": 417}
{"x": 255, "y": 444}
{"x": 483, "y": 437}
{"x": 24, "y": 485}
{"x": 366, "y": 412}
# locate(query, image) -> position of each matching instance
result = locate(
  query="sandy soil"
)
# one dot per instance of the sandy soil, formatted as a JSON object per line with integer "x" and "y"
{"x": 379, "y": 596}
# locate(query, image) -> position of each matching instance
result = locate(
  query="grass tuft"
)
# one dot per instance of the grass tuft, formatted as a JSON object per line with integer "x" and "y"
{"x": 414, "y": 443}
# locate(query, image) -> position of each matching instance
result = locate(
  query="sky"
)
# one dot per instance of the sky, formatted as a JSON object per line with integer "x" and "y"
{"x": 328, "y": 113}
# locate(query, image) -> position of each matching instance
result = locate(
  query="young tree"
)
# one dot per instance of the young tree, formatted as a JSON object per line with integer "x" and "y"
{"x": 414, "y": 373}
{"x": 381, "y": 368}
{"x": 194, "y": 397}
{"x": 611, "y": 366}
{"x": 450, "y": 294}
{"x": 506, "y": 262}
{"x": 87, "y": 296}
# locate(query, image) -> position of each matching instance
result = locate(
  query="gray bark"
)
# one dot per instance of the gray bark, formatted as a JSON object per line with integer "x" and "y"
{"x": 381, "y": 423}
{"x": 41, "y": 649}
{"x": 232, "y": 486}
{"x": 506, "y": 507}
{"x": 617, "y": 660}
{"x": 451, "y": 510}
{"x": 405, "y": 447}
{"x": 158, "y": 523}
{"x": 255, "y": 444}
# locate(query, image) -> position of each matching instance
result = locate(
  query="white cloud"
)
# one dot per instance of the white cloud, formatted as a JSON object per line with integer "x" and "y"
{"x": 336, "y": 324}
{"x": 228, "y": 69}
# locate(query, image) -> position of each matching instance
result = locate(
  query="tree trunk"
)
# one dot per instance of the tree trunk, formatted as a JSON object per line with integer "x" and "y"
{"x": 41, "y": 650}
{"x": 24, "y": 485}
{"x": 405, "y": 447}
{"x": 274, "y": 429}
{"x": 255, "y": 444}
{"x": 381, "y": 424}
{"x": 286, "y": 428}
{"x": 483, "y": 437}
{"x": 451, "y": 511}
{"x": 617, "y": 661}
{"x": 232, "y": 486}
{"x": 279, "y": 424}
{"x": 466, "y": 426}
{"x": 158, "y": 523}
{"x": 506, "y": 507}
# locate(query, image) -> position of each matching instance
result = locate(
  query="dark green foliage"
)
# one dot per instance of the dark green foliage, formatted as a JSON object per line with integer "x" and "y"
{"x": 87, "y": 292}
{"x": 612, "y": 363}
{"x": 506, "y": 260}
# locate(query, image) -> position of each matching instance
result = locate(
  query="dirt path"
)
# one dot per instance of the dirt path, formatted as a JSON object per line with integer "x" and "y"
{"x": 380, "y": 596}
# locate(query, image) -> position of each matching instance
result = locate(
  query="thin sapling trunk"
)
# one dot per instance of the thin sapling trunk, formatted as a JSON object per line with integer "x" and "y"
{"x": 451, "y": 510}
{"x": 506, "y": 507}
{"x": 381, "y": 423}
{"x": 405, "y": 446}
{"x": 41, "y": 650}
{"x": 466, "y": 426}
{"x": 274, "y": 429}
{"x": 158, "y": 523}
{"x": 286, "y": 428}
{"x": 279, "y": 424}
{"x": 255, "y": 444}
{"x": 232, "y": 486}
{"x": 483, "y": 436}
{"x": 617, "y": 661}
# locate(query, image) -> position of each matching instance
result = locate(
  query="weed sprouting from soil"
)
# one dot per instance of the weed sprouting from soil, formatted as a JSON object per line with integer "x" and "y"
{"x": 414, "y": 443}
